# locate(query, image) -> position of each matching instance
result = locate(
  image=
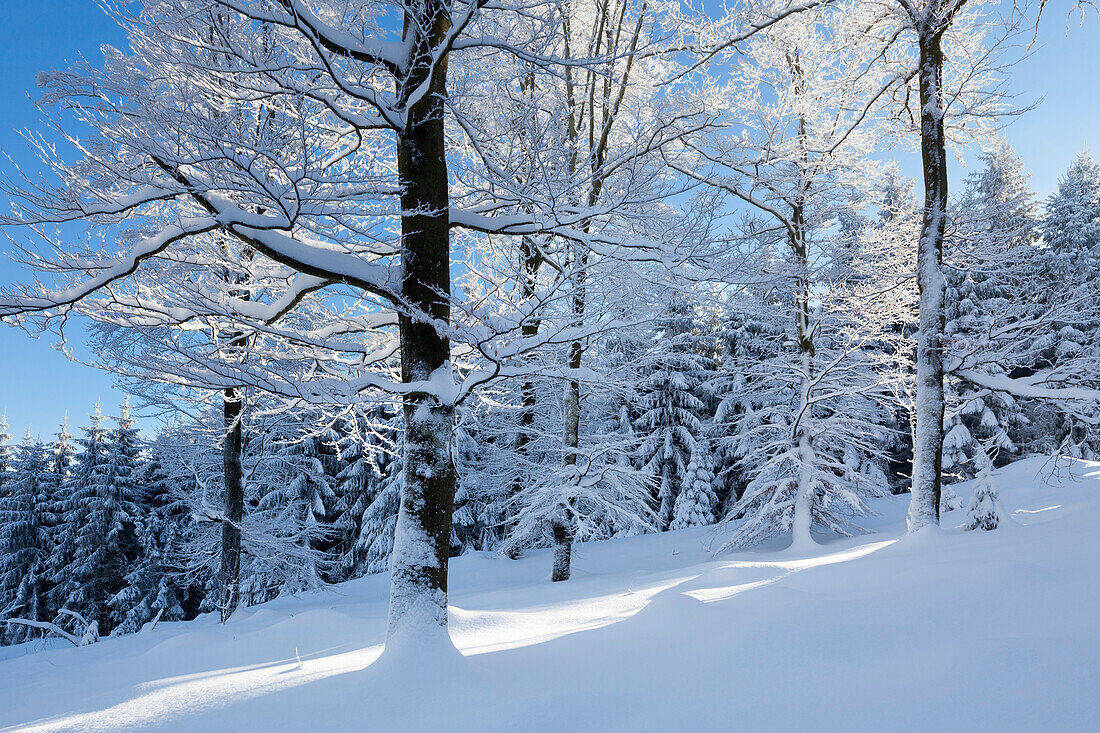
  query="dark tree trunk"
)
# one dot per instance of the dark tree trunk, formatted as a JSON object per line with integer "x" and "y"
{"x": 233, "y": 475}
{"x": 418, "y": 592}
{"x": 928, "y": 429}
{"x": 563, "y": 550}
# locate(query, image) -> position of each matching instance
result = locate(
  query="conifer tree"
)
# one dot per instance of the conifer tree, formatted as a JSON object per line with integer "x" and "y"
{"x": 672, "y": 409}
{"x": 367, "y": 499}
{"x": 154, "y": 586}
{"x": 6, "y": 457}
{"x": 97, "y": 539}
{"x": 25, "y": 542}
{"x": 697, "y": 504}
{"x": 1071, "y": 235}
{"x": 62, "y": 458}
{"x": 379, "y": 522}
{"x": 990, "y": 260}
{"x": 984, "y": 511}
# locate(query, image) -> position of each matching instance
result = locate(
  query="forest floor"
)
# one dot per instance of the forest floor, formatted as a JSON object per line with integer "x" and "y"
{"x": 944, "y": 630}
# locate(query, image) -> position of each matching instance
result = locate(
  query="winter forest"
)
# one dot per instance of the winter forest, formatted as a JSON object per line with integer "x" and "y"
{"x": 405, "y": 282}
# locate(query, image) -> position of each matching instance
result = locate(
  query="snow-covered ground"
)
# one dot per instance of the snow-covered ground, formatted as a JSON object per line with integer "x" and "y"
{"x": 946, "y": 630}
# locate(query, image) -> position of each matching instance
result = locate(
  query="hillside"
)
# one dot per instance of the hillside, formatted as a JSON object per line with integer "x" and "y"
{"x": 943, "y": 630}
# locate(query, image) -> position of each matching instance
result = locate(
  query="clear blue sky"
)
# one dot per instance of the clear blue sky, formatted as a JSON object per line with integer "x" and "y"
{"x": 39, "y": 385}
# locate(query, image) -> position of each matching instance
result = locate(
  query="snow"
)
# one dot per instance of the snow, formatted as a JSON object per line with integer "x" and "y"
{"x": 944, "y": 629}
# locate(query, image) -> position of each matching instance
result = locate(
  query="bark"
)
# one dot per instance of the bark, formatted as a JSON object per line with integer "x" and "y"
{"x": 803, "y": 503}
{"x": 571, "y": 427}
{"x": 563, "y": 550}
{"x": 418, "y": 589}
{"x": 802, "y": 521}
{"x": 928, "y": 430}
{"x": 233, "y": 476}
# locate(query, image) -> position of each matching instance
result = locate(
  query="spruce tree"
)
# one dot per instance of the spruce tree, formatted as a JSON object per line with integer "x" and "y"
{"x": 991, "y": 260}
{"x": 154, "y": 587}
{"x": 672, "y": 404}
{"x": 697, "y": 504}
{"x": 25, "y": 541}
{"x": 6, "y": 457}
{"x": 1071, "y": 235}
{"x": 984, "y": 511}
{"x": 97, "y": 539}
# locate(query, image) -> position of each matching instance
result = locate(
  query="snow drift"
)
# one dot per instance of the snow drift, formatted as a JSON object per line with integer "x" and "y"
{"x": 652, "y": 633}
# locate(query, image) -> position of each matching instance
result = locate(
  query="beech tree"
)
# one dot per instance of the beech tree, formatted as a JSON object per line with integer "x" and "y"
{"x": 793, "y": 147}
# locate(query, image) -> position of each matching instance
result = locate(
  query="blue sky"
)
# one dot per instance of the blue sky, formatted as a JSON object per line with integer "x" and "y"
{"x": 38, "y": 385}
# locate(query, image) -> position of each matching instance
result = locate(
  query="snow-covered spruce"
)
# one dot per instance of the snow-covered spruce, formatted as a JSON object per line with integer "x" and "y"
{"x": 984, "y": 511}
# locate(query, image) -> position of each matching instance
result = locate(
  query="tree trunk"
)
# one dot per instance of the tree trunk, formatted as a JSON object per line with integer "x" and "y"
{"x": 924, "y": 506}
{"x": 571, "y": 427}
{"x": 563, "y": 550}
{"x": 802, "y": 521}
{"x": 233, "y": 475}
{"x": 418, "y": 588}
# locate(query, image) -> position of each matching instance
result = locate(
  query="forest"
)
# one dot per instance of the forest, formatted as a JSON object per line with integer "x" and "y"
{"x": 406, "y": 281}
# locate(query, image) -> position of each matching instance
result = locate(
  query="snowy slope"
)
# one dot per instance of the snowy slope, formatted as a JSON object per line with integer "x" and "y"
{"x": 944, "y": 630}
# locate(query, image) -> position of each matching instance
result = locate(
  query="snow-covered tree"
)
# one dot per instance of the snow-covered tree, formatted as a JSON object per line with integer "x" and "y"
{"x": 947, "y": 65}
{"x": 696, "y": 504}
{"x": 984, "y": 511}
{"x": 6, "y": 454}
{"x": 1071, "y": 256}
{"x": 156, "y": 586}
{"x": 98, "y": 520}
{"x": 672, "y": 407}
{"x": 991, "y": 257}
{"x": 794, "y": 150}
{"x": 332, "y": 188}
{"x": 25, "y": 544}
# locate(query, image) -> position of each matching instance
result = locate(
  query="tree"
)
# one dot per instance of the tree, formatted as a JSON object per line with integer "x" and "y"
{"x": 792, "y": 147}
{"x": 672, "y": 411}
{"x": 6, "y": 457}
{"x": 990, "y": 260}
{"x": 156, "y": 589}
{"x": 98, "y": 519}
{"x": 984, "y": 510}
{"x": 953, "y": 66}
{"x": 368, "y": 496}
{"x": 25, "y": 523}
{"x": 1071, "y": 235}
{"x": 696, "y": 504}
{"x": 360, "y": 117}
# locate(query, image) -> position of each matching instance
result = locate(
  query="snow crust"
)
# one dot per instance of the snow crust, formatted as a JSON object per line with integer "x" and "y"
{"x": 652, "y": 633}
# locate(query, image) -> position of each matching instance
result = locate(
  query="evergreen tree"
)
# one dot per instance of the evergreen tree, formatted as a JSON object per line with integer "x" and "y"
{"x": 62, "y": 458}
{"x": 991, "y": 259}
{"x": 672, "y": 408}
{"x": 1071, "y": 235}
{"x": 25, "y": 545}
{"x": 97, "y": 539}
{"x": 696, "y": 504}
{"x": 154, "y": 586}
{"x": 6, "y": 457}
{"x": 984, "y": 511}
{"x": 367, "y": 500}
{"x": 749, "y": 337}
{"x": 288, "y": 494}
{"x": 1071, "y": 227}
{"x": 379, "y": 523}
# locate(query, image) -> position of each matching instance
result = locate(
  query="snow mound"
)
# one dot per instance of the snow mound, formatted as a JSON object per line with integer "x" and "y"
{"x": 944, "y": 630}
